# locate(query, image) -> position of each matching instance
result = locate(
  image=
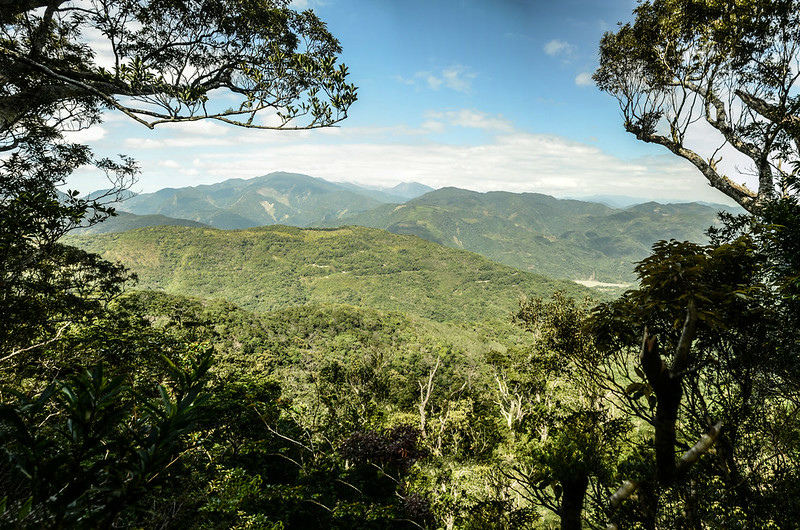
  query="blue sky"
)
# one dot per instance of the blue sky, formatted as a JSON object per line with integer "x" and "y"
{"x": 478, "y": 94}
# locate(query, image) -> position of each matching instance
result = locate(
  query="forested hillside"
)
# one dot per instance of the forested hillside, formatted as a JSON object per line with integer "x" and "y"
{"x": 285, "y": 378}
{"x": 277, "y": 266}
{"x": 569, "y": 239}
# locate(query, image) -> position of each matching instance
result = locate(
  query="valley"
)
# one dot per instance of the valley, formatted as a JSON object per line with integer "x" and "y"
{"x": 559, "y": 238}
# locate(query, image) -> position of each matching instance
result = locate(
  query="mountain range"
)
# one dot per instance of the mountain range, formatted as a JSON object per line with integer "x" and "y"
{"x": 560, "y": 238}
{"x": 277, "y": 198}
{"x": 555, "y": 237}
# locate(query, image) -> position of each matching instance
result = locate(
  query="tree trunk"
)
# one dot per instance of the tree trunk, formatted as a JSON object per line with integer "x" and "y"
{"x": 666, "y": 384}
{"x": 648, "y": 504}
{"x": 574, "y": 491}
{"x": 669, "y": 400}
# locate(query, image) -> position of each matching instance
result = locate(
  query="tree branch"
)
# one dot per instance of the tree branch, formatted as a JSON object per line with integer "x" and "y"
{"x": 39, "y": 345}
{"x": 425, "y": 396}
{"x": 681, "y": 359}
{"x": 700, "y": 448}
{"x": 688, "y": 459}
{"x": 12, "y": 8}
{"x": 774, "y": 113}
{"x": 84, "y": 89}
{"x": 745, "y": 197}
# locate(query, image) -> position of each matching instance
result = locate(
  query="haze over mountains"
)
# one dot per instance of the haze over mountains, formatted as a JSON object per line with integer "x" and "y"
{"x": 560, "y": 238}
{"x": 277, "y": 198}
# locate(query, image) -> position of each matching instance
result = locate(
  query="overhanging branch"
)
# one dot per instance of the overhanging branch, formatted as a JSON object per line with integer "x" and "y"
{"x": 740, "y": 193}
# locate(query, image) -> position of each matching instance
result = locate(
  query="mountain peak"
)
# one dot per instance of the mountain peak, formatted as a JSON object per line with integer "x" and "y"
{"x": 275, "y": 198}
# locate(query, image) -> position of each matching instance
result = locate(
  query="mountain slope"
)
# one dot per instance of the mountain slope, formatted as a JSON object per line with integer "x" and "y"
{"x": 277, "y": 198}
{"x": 534, "y": 232}
{"x": 124, "y": 221}
{"x": 274, "y": 267}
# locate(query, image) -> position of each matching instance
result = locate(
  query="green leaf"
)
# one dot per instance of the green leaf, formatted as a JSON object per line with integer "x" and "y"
{"x": 25, "y": 509}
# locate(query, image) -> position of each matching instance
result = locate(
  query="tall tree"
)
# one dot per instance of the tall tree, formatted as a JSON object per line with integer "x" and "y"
{"x": 573, "y": 435}
{"x": 82, "y": 451}
{"x": 716, "y": 368}
{"x": 63, "y": 63}
{"x": 723, "y": 72}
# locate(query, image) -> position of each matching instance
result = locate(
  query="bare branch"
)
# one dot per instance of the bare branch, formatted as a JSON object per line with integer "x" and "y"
{"x": 425, "y": 396}
{"x": 622, "y": 494}
{"x": 700, "y": 448}
{"x": 39, "y": 345}
{"x": 745, "y": 197}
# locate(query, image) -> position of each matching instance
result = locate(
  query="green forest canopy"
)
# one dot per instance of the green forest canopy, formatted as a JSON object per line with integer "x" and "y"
{"x": 341, "y": 417}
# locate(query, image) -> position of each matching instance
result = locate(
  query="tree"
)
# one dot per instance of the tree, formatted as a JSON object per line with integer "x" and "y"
{"x": 715, "y": 369}
{"x": 718, "y": 360}
{"x": 159, "y": 61}
{"x": 63, "y": 63}
{"x": 725, "y": 71}
{"x": 570, "y": 434}
{"x": 82, "y": 451}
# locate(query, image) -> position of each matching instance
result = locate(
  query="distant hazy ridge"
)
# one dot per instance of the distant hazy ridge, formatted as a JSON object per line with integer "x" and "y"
{"x": 569, "y": 239}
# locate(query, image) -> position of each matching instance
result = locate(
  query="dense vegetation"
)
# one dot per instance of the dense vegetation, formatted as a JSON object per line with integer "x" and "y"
{"x": 673, "y": 406}
{"x": 278, "y": 266}
{"x": 569, "y": 239}
{"x": 559, "y": 238}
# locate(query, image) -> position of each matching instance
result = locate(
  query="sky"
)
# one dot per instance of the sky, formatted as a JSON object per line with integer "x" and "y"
{"x": 479, "y": 94}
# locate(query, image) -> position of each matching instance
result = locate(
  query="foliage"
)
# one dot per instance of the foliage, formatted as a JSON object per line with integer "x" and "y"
{"x": 44, "y": 285}
{"x": 685, "y": 67}
{"x": 167, "y": 58}
{"x": 555, "y": 237}
{"x": 568, "y": 437}
{"x": 82, "y": 451}
{"x": 717, "y": 367}
{"x": 274, "y": 267}
{"x": 736, "y": 368}
{"x": 89, "y": 448}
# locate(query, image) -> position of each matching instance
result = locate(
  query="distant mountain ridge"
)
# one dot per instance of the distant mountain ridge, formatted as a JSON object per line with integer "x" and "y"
{"x": 277, "y": 198}
{"x": 124, "y": 221}
{"x": 560, "y": 238}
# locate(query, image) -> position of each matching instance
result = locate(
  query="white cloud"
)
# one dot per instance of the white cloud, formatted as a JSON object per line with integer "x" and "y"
{"x": 475, "y": 119}
{"x": 208, "y": 128}
{"x": 433, "y": 81}
{"x": 559, "y": 47}
{"x": 584, "y": 79}
{"x": 432, "y": 126}
{"x": 92, "y": 134}
{"x": 403, "y": 80}
{"x": 172, "y": 143}
{"x": 456, "y": 77}
{"x": 505, "y": 159}
{"x": 518, "y": 162}
{"x": 301, "y": 5}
